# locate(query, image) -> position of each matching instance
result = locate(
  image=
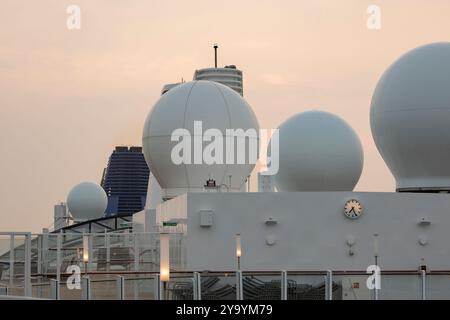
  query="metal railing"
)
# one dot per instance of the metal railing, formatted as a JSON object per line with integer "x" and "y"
{"x": 240, "y": 285}
{"x": 126, "y": 266}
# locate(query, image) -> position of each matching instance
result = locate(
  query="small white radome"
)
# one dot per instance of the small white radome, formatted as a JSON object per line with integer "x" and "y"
{"x": 318, "y": 151}
{"x": 87, "y": 201}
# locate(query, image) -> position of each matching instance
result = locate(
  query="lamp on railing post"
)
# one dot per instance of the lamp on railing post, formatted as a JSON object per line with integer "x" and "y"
{"x": 375, "y": 248}
{"x": 378, "y": 274}
{"x": 164, "y": 262}
{"x": 239, "y": 289}
{"x": 85, "y": 252}
{"x": 238, "y": 251}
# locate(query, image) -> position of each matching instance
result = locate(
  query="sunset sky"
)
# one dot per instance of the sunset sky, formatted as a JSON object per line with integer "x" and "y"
{"x": 67, "y": 97}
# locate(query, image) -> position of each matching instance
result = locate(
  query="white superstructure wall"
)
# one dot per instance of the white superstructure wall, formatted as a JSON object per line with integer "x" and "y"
{"x": 309, "y": 231}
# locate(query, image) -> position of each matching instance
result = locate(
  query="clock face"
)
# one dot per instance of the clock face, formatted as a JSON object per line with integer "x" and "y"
{"x": 353, "y": 209}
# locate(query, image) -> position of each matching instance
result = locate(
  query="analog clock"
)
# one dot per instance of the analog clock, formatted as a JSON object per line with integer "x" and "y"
{"x": 353, "y": 209}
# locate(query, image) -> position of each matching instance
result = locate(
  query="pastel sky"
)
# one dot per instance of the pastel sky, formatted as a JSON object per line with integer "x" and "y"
{"x": 68, "y": 97}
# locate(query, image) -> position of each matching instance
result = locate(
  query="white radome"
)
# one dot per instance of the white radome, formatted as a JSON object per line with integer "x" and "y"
{"x": 218, "y": 107}
{"x": 87, "y": 201}
{"x": 410, "y": 118}
{"x": 318, "y": 151}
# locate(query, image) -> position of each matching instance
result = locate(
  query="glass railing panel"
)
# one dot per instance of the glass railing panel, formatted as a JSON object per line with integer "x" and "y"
{"x": 136, "y": 287}
{"x": 120, "y": 255}
{"x": 218, "y": 286}
{"x": 180, "y": 287}
{"x": 352, "y": 287}
{"x": 400, "y": 287}
{"x": 13, "y": 269}
{"x": 41, "y": 290}
{"x": 307, "y": 286}
{"x": 438, "y": 286}
{"x": 145, "y": 286}
{"x": 16, "y": 290}
{"x": 148, "y": 249}
{"x": 104, "y": 288}
{"x": 69, "y": 294}
{"x": 49, "y": 253}
{"x": 5, "y": 245}
{"x": 261, "y": 286}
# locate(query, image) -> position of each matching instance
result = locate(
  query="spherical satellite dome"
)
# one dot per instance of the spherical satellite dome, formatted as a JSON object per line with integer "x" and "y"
{"x": 87, "y": 201}
{"x": 183, "y": 162}
{"x": 410, "y": 118}
{"x": 318, "y": 151}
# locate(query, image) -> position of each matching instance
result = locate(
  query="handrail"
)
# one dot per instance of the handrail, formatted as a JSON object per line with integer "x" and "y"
{"x": 2, "y": 297}
{"x": 259, "y": 273}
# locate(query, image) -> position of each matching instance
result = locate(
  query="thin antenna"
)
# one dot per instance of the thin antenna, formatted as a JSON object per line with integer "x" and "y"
{"x": 215, "y": 54}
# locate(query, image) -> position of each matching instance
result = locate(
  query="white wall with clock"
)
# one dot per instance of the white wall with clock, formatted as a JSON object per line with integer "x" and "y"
{"x": 313, "y": 230}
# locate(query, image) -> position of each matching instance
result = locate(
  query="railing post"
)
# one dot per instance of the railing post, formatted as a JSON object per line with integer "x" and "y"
{"x": 284, "y": 289}
{"x": 27, "y": 272}
{"x": 58, "y": 256}
{"x": 91, "y": 252}
{"x": 54, "y": 289}
{"x": 376, "y": 290}
{"x": 239, "y": 288}
{"x": 329, "y": 285}
{"x": 45, "y": 244}
{"x": 108, "y": 251}
{"x": 163, "y": 294}
{"x": 157, "y": 287}
{"x": 11, "y": 260}
{"x": 136, "y": 252}
{"x": 86, "y": 288}
{"x": 136, "y": 264}
{"x": 424, "y": 285}
{"x": 197, "y": 287}
{"x": 39, "y": 254}
{"x": 183, "y": 252}
{"x": 120, "y": 288}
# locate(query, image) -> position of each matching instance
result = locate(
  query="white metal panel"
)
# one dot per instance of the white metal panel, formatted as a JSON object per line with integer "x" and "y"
{"x": 311, "y": 232}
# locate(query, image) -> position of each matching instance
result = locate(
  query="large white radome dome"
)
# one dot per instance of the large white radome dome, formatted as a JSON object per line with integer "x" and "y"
{"x": 87, "y": 201}
{"x": 318, "y": 151}
{"x": 218, "y": 107}
{"x": 410, "y": 118}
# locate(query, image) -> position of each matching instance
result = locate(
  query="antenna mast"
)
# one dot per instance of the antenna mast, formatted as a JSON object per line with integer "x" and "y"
{"x": 215, "y": 54}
